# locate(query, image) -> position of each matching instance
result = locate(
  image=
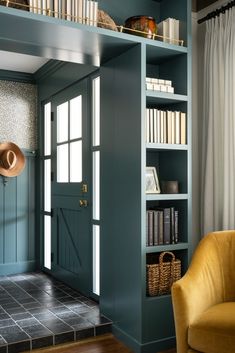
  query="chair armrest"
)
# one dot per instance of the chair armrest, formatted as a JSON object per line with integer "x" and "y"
{"x": 200, "y": 288}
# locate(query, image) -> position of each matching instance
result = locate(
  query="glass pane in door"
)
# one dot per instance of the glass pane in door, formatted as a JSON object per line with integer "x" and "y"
{"x": 62, "y": 122}
{"x": 62, "y": 163}
{"x": 76, "y": 162}
{"x": 76, "y": 118}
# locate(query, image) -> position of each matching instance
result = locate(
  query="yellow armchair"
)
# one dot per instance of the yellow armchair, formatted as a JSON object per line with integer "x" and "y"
{"x": 204, "y": 298}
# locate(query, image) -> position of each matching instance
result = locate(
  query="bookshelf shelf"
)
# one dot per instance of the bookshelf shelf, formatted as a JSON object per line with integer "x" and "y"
{"x": 165, "y": 147}
{"x": 164, "y": 197}
{"x": 170, "y": 247}
{"x": 164, "y": 98}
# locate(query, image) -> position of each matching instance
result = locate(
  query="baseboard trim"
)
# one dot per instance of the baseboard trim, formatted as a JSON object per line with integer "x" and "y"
{"x": 17, "y": 267}
{"x": 149, "y": 347}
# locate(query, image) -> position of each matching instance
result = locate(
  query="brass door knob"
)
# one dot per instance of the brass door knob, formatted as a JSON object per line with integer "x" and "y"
{"x": 83, "y": 203}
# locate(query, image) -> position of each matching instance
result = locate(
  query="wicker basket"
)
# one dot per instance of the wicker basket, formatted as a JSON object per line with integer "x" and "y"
{"x": 161, "y": 276}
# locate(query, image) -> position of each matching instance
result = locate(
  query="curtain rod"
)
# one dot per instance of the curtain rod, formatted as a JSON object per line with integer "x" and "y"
{"x": 217, "y": 12}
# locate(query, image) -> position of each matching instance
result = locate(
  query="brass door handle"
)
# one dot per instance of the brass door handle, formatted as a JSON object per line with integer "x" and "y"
{"x": 83, "y": 203}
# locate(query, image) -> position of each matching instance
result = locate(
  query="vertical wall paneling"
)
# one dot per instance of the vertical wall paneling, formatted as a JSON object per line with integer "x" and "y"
{"x": 10, "y": 221}
{"x": 22, "y": 215}
{"x": 18, "y": 116}
{"x": 17, "y": 221}
{"x": 33, "y": 232}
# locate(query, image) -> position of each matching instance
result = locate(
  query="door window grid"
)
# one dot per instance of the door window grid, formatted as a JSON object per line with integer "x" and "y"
{"x": 69, "y": 141}
{"x": 96, "y": 183}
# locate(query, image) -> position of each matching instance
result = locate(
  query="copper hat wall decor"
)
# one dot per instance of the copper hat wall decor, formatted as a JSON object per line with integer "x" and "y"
{"x": 12, "y": 160}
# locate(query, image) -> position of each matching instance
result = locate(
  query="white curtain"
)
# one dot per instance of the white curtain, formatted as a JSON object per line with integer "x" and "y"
{"x": 218, "y": 148}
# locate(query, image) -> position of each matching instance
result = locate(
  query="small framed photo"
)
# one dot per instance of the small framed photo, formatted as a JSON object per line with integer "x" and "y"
{"x": 152, "y": 183}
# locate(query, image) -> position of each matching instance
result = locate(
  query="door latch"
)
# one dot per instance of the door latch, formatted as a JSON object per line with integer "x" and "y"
{"x": 83, "y": 203}
{"x": 84, "y": 188}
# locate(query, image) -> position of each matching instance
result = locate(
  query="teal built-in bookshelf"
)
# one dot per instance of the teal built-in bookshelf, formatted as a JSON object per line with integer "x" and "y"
{"x": 124, "y": 61}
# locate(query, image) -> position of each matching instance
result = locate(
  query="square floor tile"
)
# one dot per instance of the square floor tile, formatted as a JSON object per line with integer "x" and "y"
{"x": 37, "y": 331}
{"x": 7, "y": 322}
{"x": 56, "y": 326}
{"x": 27, "y": 322}
{"x": 21, "y": 316}
{"x": 4, "y": 316}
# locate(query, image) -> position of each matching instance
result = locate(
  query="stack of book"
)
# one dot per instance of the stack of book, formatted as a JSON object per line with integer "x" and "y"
{"x": 162, "y": 226}
{"x": 156, "y": 84}
{"x": 168, "y": 30}
{"x": 165, "y": 126}
{"x": 81, "y": 11}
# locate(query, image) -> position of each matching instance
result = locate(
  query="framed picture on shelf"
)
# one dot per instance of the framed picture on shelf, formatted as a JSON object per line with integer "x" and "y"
{"x": 152, "y": 183}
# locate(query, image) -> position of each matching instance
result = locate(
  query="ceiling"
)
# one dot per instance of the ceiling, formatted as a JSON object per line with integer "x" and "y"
{"x": 20, "y": 62}
{"x": 198, "y": 5}
{"x": 30, "y": 64}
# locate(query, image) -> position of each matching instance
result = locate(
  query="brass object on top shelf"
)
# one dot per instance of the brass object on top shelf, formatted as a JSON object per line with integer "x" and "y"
{"x": 145, "y": 25}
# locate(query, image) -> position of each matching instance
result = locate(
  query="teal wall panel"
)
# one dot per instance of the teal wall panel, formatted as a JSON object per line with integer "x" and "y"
{"x": 10, "y": 220}
{"x": 121, "y": 109}
{"x": 17, "y": 224}
{"x": 22, "y": 216}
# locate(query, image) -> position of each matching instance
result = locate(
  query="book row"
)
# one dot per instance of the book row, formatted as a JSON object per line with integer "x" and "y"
{"x": 165, "y": 126}
{"x": 169, "y": 30}
{"x": 81, "y": 11}
{"x": 156, "y": 84}
{"x": 162, "y": 226}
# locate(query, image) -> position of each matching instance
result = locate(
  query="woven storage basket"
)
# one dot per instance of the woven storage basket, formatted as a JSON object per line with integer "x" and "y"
{"x": 161, "y": 276}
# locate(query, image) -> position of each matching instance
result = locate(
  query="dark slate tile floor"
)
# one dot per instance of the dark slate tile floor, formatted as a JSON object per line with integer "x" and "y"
{"x": 37, "y": 311}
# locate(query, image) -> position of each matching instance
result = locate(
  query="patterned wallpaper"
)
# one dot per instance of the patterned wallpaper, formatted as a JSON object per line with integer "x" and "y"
{"x": 18, "y": 114}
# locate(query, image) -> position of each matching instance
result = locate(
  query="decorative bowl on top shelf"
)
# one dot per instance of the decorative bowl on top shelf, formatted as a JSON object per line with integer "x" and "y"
{"x": 144, "y": 26}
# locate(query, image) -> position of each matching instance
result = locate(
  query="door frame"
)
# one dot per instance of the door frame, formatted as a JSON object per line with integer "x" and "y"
{"x": 90, "y": 79}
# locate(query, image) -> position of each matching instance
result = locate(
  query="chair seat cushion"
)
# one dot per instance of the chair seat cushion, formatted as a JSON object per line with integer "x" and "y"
{"x": 214, "y": 330}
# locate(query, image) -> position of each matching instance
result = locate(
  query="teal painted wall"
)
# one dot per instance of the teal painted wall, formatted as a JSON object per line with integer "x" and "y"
{"x": 17, "y": 197}
{"x": 17, "y": 221}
